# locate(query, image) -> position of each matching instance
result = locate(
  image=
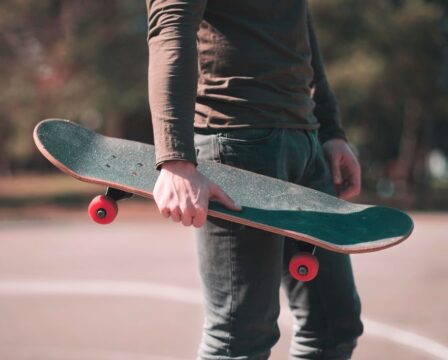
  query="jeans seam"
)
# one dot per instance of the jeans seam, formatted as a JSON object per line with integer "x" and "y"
{"x": 274, "y": 132}
{"x": 312, "y": 157}
{"x": 217, "y": 157}
{"x": 328, "y": 322}
{"x": 216, "y": 149}
{"x": 232, "y": 292}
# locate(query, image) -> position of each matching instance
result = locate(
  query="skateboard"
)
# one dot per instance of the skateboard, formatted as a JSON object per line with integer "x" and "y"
{"x": 128, "y": 167}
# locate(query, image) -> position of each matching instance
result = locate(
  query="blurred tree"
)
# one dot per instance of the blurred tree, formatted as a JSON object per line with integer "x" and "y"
{"x": 81, "y": 60}
{"x": 87, "y": 61}
{"x": 443, "y": 79}
{"x": 384, "y": 62}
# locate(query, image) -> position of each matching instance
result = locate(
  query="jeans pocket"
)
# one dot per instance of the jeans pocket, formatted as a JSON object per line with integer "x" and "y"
{"x": 256, "y": 150}
{"x": 247, "y": 136}
{"x": 206, "y": 146}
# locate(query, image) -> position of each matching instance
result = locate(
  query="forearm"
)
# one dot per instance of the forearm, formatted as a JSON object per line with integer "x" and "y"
{"x": 172, "y": 75}
{"x": 327, "y": 112}
{"x": 326, "y": 109}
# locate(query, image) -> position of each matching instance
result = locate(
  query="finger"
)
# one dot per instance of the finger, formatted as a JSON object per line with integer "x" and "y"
{"x": 357, "y": 183}
{"x": 347, "y": 193}
{"x": 336, "y": 170}
{"x": 187, "y": 220}
{"x": 165, "y": 212}
{"x": 350, "y": 189}
{"x": 352, "y": 186}
{"x": 200, "y": 217}
{"x": 219, "y": 195}
{"x": 176, "y": 215}
{"x": 187, "y": 216}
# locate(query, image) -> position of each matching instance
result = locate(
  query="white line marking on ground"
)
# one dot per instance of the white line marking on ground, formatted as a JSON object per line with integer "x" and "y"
{"x": 101, "y": 288}
{"x": 67, "y": 353}
{"x": 406, "y": 338}
{"x": 193, "y": 296}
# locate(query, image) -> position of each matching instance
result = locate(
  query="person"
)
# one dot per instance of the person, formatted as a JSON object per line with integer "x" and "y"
{"x": 243, "y": 83}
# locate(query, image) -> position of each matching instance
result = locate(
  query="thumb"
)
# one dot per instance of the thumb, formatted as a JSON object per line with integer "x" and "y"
{"x": 336, "y": 170}
{"x": 219, "y": 195}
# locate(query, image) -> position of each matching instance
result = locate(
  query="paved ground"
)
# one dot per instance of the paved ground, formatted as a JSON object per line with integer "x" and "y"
{"x": 73, "y": 290}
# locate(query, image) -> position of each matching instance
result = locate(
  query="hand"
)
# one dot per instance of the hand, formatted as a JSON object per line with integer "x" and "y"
{"x": 182, "y": 193}
{"x": 345, "y": 168}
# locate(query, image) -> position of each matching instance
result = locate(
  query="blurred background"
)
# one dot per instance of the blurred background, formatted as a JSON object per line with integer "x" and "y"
{"x": 387, "y": 61}
{"x": 86, "y": 61}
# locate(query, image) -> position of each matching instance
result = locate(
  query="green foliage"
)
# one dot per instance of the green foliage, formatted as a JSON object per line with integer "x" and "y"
{"x": 384, "y": 60}
{"x": 83, "y": 60}
{"x": 86, "y": 60}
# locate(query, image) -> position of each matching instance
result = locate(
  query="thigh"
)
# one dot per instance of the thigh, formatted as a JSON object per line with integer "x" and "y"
{"x": 280, "y": 153}
{"x": 327, "y": 309}
{"x": 240, "y": 266}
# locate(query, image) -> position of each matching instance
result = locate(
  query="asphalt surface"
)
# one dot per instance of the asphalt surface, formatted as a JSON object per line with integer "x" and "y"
{"x": 71, "y": 289}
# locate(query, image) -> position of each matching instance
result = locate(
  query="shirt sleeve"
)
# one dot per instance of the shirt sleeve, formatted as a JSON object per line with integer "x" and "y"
{"x": 326, "y": 109}
{"x": 173, "y": 75}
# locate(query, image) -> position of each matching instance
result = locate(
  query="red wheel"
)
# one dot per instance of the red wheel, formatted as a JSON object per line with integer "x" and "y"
{"x": 304, "y": 267}
{"x": 103, "y": 210}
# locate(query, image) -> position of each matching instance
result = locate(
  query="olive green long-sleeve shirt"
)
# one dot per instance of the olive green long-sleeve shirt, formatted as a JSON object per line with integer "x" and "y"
{"x": 234, "y": 63}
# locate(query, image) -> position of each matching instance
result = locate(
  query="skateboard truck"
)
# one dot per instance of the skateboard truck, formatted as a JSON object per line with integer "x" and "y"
{"x": 117, "y": 194}
{"x": 103, "y": 209}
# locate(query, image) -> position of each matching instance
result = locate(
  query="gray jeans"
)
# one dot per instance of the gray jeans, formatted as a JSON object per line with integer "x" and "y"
{"x": 242, "y": 268}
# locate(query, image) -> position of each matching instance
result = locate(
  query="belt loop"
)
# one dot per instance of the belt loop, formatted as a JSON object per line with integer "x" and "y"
{"x": 216, "y": 147}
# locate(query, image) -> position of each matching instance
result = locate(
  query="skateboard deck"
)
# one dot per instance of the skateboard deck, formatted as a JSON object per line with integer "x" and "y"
{"x": 269, "y": 204}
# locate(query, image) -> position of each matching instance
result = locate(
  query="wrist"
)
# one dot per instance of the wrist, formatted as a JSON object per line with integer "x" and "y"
{"x": 178, "y": 165}
{"x": 336, "y": 140}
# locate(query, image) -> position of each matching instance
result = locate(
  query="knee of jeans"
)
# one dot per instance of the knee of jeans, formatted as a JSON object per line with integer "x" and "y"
{"x": 335, "y": 344}
{"x": 246, "y": 340}
{"x": 341, "y": 351}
